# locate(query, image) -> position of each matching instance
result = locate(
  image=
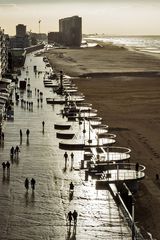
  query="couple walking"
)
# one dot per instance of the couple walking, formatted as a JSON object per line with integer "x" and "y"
{"x": 72, "y": 216}
{"x": 26, "y": 183}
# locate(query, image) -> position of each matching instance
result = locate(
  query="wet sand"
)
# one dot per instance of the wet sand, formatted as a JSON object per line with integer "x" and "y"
{"x": 128, "y": 101}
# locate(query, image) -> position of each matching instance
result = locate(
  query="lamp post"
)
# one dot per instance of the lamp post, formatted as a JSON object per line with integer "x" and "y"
{"x": 39, "y": 22}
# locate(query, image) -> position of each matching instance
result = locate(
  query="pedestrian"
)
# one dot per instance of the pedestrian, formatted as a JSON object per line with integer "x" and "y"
{"x": 21, "y": 102}
{"x": 3, "y": 166}
{"x": 70, "y": 217}
{"x": 12, "y": 151}
{"x": 157, "y": 176}
{"x": 17, "y": 150}
{"x": 20, "y": 132}
{"x": 8, "y": 165}
{"x": 75, "y": 214}
{"x": 71, "y": 186}
{"x": 27, "y": 133}
{"x": 31, "y": 106}
{"x": 72, "y": 160}
{"x": 33, "y": 182}
{"x": 2, "y": 136}
{"x": 137, "y": 167}
{"x": 26, "y": 184}
{"x": 43, "y": 123}
{"x": 66, "y": 158}
{"x": 24, "y": 104}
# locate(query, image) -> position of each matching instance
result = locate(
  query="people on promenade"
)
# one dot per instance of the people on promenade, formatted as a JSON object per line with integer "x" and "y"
{"x": 17, "y": 151}
{"x": 137, "y": 167}
{"x": 72, "y": 160}
{"x": 69, "y": 217}
{"x": 22, "y": 103}
{"x": 26, "y": 184}
{"x": 71, "y": 186}
{"x": 12, "y": 151}
{"x": 8, "y": 165}
{"x": 75, "y": 215}
{"x": 3, "y": 166}
{"x": 2, "y": 136}
{"x": 66, "y": 158}
{"x": 71, "y": 191}
{"x": 20, "y": 133}
{"x": 27, "y": 133}
{"x": 43, "y": 123}
{"x": 33, "y": 182}
{"x": 31, "y": 104}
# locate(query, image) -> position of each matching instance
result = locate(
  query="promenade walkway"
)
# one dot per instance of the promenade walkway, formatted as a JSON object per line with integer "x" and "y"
{"x": 42, "y": 214}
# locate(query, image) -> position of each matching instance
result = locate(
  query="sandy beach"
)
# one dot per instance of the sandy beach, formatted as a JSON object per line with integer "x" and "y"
{"x": 124, "y": 87}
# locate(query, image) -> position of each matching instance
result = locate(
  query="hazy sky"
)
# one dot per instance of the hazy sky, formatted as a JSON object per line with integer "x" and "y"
{"x": 112, "y": 17}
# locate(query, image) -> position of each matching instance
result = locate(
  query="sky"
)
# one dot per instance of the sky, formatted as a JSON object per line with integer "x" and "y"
{"x": 112, "y": 17}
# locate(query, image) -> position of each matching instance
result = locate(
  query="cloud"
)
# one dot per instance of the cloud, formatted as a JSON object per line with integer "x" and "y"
{"x": 4, "y": 5}
{"x": 10, "y": 2}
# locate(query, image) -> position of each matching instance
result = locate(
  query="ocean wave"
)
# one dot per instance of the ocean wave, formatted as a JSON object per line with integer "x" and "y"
{"x": 147, "y": 44}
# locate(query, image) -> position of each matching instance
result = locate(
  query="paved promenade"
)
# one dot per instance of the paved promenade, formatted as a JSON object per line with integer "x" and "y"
{"x": 42, "y": 214}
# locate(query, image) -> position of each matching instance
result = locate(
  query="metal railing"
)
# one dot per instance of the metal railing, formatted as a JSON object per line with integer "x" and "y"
{"x": 136, "y": 235}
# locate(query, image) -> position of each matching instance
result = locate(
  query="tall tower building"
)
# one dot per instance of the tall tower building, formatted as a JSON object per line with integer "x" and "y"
{"x": 71, "y": 30}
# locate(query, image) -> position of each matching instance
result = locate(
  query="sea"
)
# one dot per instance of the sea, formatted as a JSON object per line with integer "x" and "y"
{"x": 144, "y": 44}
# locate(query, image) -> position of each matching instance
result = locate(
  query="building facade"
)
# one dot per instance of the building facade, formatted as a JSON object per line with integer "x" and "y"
{"x": 4, "y": 43}
{"x": 54, "y": 37}
{"x": 71, "y": 30}
{"x": 22, "y": 39}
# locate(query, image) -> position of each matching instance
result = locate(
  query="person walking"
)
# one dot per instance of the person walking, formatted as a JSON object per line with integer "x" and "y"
{"x": 75, "y": 215}
{"x": 8, "y": 168}
{"x": 33, "y": 182}
{"x": 8, "y": 165}
{"x": 20, "y": 133}
{"x": 71, "y": 186}
{"x": 27, "y": 133}
{"x": 43, "y": 123}
{"x": 17, "y": 150}
{"x": 2, "y": 136}
{"x": 66, "y": 158}
{"x": 137, "y": 167}
{"x": 3, "y": 166}
{"x": 72, "y": 160}
{"x": 12, "y": 151}
{"x": 69, "y": 217}
{"x": 26, "y": 184}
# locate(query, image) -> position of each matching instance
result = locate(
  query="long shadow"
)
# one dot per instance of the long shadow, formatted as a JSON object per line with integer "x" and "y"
{"x": 74, "y": 233}
{"x": 26, "y": 198}
{"x": 73, "y": 236}
{"x": 64, "y": 169}
{"x": 68, "y": 233}
{"x": 27, "y": 142}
